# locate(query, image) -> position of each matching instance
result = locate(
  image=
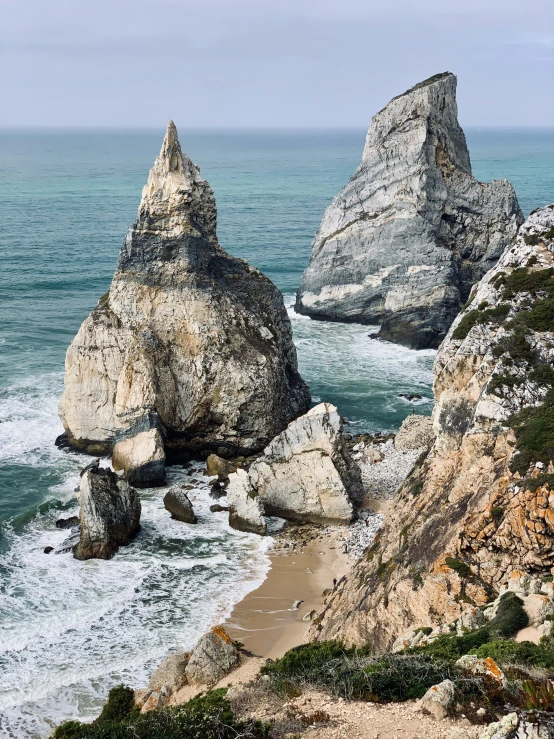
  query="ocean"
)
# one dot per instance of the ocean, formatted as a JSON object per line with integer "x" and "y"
{"x": 70, "y": 630}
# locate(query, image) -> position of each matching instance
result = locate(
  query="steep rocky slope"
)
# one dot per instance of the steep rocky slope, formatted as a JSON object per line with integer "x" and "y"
{"x": 405, "y": 240}
{"x": 479, "y": 510}
{"x": 190, "y": 350}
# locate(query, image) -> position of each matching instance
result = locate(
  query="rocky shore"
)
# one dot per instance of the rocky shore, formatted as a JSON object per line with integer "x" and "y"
{"x": 412, "y": 568}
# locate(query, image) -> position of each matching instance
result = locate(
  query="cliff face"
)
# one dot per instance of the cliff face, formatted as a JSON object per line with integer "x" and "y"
{"x": 480, "y": 508}
{"x": 191, "y": 348}
{"x": 405, "y": 240}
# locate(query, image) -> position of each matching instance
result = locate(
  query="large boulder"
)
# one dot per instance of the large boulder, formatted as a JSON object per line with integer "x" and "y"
{"x": 305, "y": 474}
{"x": 109, "y": 514}
{"x": 212, "y": 658}
{"x": 170, "y": 673}
{"x": 177, "y": 502}
{"x": 407, "y": 237}
{"x": 438, "y": 699}
{"x": 190, "y": 350}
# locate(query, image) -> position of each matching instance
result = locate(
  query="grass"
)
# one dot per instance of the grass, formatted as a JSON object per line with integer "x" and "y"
{"x": 354, "y": 674}
{"x": 207, "y": 716}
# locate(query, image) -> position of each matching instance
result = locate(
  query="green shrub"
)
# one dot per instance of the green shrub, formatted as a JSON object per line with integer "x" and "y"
{"x": 531, "y": 239}
{"x": 207, "y": 716}
{"x": 120, "y": 704}
{"x": 516, "y": 346}
{"x": 479, "y": 316}
{"x": 534, "y": 483}
{"x": 534, "y": 430}
{"x": 517, "y": 653}
{"x": 460, "y": 567}
{"x": 498, "y": 382}
{"x": 510, "y": 618}
{"x": 353, "y": 673}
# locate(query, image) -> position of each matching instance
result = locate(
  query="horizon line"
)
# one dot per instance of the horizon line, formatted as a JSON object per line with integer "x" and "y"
{"x": 235, "y": 129}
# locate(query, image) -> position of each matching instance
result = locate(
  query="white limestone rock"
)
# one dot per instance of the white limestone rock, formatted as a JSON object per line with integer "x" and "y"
{"x": 407, "y": 237}
{"x": 305, "y": 474}
{"x": 190, "y": 346}
{"x": 109, "y": 514}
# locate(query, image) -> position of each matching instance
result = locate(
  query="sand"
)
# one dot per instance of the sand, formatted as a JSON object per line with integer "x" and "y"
{"x": 265, "y": 620}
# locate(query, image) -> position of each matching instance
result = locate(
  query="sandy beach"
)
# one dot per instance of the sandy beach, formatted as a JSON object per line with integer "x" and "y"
{"x": 265, "y": 620}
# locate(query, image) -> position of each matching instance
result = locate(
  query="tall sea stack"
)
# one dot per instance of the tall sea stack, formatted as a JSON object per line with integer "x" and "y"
{"x": 190, "y": 350}
{"x": 404, "y": 241}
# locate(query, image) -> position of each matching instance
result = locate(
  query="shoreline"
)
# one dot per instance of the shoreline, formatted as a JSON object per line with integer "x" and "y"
{"x": 265, "y": 620}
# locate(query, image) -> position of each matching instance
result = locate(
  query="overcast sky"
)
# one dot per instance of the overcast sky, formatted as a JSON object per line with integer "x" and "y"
{"x": 260, "y": 63}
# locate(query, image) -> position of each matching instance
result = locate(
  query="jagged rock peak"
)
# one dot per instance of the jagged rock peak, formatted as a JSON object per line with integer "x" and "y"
{"x": 176, "y": 199}
{"x": 404, "y": 241}
{"x": 191, "y": 350}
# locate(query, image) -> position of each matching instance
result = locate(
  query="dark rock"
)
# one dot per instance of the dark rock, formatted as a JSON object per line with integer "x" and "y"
{"x": 216, "y": 508}
{"x": 177, "y": 502}
{"x": 67, "y": 523}
{"x": 92, "y": 466}
{"x": 47, "y": 550}
{"x": 62, "y": 442}
{"x": 109, "y": 514}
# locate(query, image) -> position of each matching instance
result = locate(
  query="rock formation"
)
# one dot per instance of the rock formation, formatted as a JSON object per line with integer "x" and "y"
{"x": 190, "y": 350}
{"x": 109, "y": 514}
{"x": 478, "y": 512}
{"x": 407, "y": 237}
{"x": 212, "y": 658}
{"x": 306, "y": 474}
{"x": 177, "y": 502}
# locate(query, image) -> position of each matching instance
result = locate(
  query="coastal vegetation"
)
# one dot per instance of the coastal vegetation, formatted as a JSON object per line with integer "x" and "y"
{"x": 208, "y": 716}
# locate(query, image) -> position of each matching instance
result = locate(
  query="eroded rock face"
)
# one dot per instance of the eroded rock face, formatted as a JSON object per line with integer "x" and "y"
{"x": 109, "y": 514}
{"x": 407, "y": 237}
{"x": 305, "y": 474}
{"x": 478, "y": 513}
{"x": 170, "y": 673}
{"x": 191, "y": 348}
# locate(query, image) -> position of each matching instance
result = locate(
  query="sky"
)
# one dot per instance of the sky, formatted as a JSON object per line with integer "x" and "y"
{"x": 269, "y": 63}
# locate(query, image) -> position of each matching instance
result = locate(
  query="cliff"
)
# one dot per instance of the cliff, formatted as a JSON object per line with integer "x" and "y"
{"x": 190, "y": 350}
{"x": 478, "y": 512}
{"x": 404, "y": 241}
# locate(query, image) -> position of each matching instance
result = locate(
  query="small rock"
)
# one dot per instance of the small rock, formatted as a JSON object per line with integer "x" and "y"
{"x": 309, "y": 616}
{"x": 217, "y": 466}
{"x": 177, "y": 502}
{"x": 501, "y": 729}
{"x": 487, "y": 667}
{"x": 67, "y": 523}
{"x": 481, "y": 712}
{"x": 438, "y": 699}
{"x": 47, "y": 550}
{"x": 216, "y": 508}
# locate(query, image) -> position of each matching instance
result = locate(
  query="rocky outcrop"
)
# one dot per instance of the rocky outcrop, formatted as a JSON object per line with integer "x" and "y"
{"x": 415, "y": 432}
{"x": 109, "y": 514}
{"x": 212, "y": 658}
{"x": 306, "y": 474}
{"x": 404, "y": 241}
{"x": 170, "y": 673}
{"x": 177, "y": 502}
{"x": 479, "y": 510}
{"x": 190, "y": 350}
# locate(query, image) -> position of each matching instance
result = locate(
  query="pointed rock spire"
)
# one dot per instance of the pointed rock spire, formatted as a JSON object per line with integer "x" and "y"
{"x": 176, "y": 200}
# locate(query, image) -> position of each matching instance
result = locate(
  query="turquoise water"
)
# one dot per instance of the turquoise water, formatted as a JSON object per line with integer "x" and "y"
{"x": 67, "y": 201}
